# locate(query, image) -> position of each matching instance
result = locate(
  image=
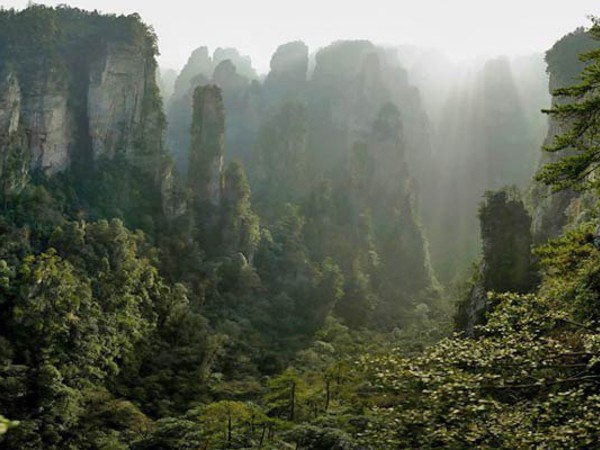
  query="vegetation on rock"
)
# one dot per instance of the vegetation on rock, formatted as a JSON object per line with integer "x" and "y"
{"x": 293, "y": 307}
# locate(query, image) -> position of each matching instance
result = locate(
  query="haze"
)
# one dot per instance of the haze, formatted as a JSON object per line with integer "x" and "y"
{"x": 461, "y": 28}
{"x": 357, "y": 225}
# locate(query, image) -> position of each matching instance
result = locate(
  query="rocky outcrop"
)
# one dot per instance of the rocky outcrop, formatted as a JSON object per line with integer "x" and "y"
{"x": 207, "y": 150}
{"x": 352, "y": 80}
{"x": 553, "y": 211}
{"x": 482, "y": 143}
{"x": 173, "y": 193}
{"x": 472, "y": 312}
{"x": 227, "y": 77}
{"x": 239, "y": 226}
{"x": 10, "y": 107}
{"x": 243, "y": 63}
{"x": 507, "y": 264}
{"x": 83, "y": 95}
{"x": 48, "y": 125}
{"x": 13, "y": 161}
{"x": 36, "y": 119}
{"x": 199, "y": 63}
{"x": 287, "y": 79}
{"x": 166, "y": 83}
{"x": 234, "y": 75}
{"x": 290, "y": 60}
{"x": 115, "y": 97}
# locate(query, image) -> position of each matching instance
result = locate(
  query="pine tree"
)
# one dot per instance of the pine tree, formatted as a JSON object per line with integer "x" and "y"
{"x": 582, "y": 138}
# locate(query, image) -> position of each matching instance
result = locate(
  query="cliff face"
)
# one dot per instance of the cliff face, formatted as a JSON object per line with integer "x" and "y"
{"x": 10, "y": 107}
{"x": 47, "y": 122}
{"x": 207, "y": 149}
{"x": 36, "y": 119}
{"x": 234, "y": 75}
{"x": 287, "y": 78}
{"x": 10, "y": 104}
{"x": 115, "y": 94}
{"x": 352, "y": 80}
{"x": 553, "y": 211}
{"x": 88, "y": 92}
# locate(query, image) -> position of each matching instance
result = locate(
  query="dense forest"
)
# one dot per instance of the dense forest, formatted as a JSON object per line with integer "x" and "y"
{"x": 321, "y": 258}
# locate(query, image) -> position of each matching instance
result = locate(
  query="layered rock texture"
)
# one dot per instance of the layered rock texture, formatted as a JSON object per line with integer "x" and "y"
{"x": 77, "y": 87}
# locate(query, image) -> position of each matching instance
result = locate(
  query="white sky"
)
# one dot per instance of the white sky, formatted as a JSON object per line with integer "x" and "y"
{"x": 462, "y": 28}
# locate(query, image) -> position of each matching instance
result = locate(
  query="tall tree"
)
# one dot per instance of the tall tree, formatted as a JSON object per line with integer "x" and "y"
{"x": 582, "y": 138}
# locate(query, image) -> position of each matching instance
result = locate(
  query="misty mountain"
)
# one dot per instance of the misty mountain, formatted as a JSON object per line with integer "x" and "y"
{"x": 364, "y": 248}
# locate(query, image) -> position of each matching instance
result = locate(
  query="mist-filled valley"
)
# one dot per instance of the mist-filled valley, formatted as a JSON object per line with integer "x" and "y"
{"x": 364, "y": 246}
{"x": 477, "y": 128}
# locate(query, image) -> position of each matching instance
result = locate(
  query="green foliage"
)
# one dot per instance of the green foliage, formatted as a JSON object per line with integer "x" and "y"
{"x": 285, "y": 393}
{"x": 5, "y": 424}
{"x": 13, "y": 168}
{"x": 529, "y": 379}
{"x": 172, "y": 434}
{"x": 526, "y": 382}
{"x": 227, "y": 424}
{"x": 570, "y": 266}
{"x": 43, "y": 39}
{"x": 506, "y": 237}
{"x": 314, "y": 326}
{"x": 563, "y": 59}
{"x": 207, "y": 143}
{"x": 239, "y": 225}
{"x": 580, "y": 116}
{"x": 71, "y": 316}
{"x": 319, "y": 438}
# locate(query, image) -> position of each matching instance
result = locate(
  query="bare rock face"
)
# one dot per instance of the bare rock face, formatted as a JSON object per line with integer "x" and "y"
{"x": 227, "y": 78}
{"x": 48, "y": 126}
{"x": 291, "y": 58}
{"x": 115, "y": 96}
{"x": 352, "y": 80}
{"x": 243, "y": 63}
{"x": 173, "y": 195}
{"x": 81, "y": 96}
{"x": 476, "y": 308}
{"x": 10, "y": 106}
{"x": 289, "y": 70}
{"x": 199, "y": 63}
{"x": 10, "y": 112}
{"x": 37, "y": 120}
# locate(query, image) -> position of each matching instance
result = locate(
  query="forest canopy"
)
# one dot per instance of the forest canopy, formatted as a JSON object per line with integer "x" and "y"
{"x": 280, "y": 262}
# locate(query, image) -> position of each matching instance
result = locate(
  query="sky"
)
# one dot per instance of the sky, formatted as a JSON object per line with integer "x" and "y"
{"x": 463, "y": 29}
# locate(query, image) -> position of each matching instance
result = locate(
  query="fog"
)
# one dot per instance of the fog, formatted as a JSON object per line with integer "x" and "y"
{"x": 303, "y": 83}
{"x": 461, "y": 28}
{"x": 310, "y": 225}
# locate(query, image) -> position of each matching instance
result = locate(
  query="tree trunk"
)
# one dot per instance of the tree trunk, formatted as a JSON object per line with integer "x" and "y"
{"x": 262, "y": 436}
{"x": 229, "y": 430}
{"x": 292, "y": 401}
